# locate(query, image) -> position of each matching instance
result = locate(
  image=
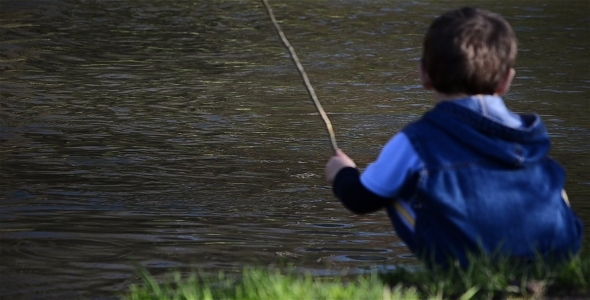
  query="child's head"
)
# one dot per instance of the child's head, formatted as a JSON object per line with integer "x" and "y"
{"x": 468, "y": 51}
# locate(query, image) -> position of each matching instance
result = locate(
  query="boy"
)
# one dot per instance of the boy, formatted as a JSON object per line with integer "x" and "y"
{"x": 470, "y": 175}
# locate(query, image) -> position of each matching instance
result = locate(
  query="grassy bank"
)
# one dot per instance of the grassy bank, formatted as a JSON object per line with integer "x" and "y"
{"x": 502, "y": 279}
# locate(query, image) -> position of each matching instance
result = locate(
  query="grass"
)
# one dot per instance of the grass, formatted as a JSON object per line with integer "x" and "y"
{"x": 258, "y": 284}
{"x": 499, "y": 279}
{"x": 483, "y": 279}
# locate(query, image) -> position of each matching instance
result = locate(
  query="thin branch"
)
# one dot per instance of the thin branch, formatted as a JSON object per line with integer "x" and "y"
{"x": 310, "y": 90}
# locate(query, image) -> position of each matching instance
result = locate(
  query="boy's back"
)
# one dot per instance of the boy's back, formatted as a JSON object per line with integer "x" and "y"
{"x": 487, "y": 185}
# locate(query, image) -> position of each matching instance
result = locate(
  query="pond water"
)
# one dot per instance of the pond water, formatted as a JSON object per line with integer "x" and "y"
{"x": 177, "y": 135}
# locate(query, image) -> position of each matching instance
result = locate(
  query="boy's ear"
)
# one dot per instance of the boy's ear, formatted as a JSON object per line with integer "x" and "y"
{"x": 504, "y": 86}
{"x": 425, "y": 78}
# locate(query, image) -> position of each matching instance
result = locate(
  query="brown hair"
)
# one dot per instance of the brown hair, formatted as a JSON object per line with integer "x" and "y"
{"x": 468, "y": 51}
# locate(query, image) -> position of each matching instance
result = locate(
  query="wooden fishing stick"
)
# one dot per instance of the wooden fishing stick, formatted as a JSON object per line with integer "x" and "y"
{"x": 310, "y": 90}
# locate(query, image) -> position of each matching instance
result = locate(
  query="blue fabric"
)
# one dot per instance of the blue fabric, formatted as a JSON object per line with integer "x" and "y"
{"x": 491, "y": 107}
{"x": 486, "y": 186}
{"x": 397, "y": 161}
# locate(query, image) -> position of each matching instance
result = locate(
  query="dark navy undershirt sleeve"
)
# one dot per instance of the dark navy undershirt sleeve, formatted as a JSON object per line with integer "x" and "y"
{"x": 354, "y": 196}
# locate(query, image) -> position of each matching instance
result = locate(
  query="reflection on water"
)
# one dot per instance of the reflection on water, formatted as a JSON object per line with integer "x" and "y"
{"x": 178, "y": 135}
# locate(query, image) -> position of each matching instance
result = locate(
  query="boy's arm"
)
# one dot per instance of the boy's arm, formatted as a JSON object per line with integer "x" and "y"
{"x": 395, "y": 168}
{"x": 354, "y": 196}
{"x": 341, "y": 171}
{"x": 337, "y": 163}
{"x": 382, "y": 180}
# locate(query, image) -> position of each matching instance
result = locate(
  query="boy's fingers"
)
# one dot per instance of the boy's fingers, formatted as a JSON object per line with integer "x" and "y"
{"x": 339, "y": 153}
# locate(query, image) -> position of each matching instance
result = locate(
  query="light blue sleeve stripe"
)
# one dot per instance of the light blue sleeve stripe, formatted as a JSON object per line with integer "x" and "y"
{"x": 396, "y": 162}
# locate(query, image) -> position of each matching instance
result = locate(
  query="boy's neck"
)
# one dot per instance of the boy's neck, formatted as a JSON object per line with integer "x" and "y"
{"x": 440, "y": 97}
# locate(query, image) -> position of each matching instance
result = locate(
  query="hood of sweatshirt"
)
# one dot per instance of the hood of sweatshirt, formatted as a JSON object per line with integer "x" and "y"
{"x": 495, "y": 133}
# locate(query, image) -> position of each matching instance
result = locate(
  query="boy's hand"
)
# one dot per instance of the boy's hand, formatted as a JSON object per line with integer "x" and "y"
{"x": 336, "y": 163}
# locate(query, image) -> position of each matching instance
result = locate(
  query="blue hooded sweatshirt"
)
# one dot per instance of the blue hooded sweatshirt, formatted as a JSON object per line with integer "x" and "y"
{"x": 488, "y": 187}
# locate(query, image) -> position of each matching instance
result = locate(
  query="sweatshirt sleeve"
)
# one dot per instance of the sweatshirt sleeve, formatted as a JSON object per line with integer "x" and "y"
{"x": 396, "y": 164}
